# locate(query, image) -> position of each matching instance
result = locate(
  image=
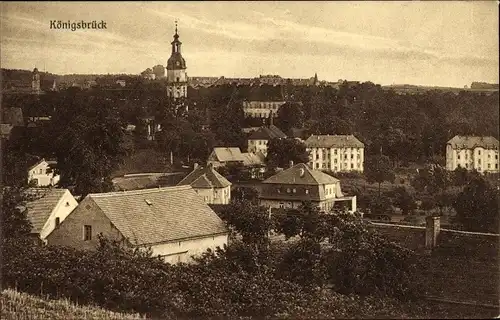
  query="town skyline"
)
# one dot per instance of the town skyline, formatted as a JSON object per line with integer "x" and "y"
{"x": 438, "y": 44}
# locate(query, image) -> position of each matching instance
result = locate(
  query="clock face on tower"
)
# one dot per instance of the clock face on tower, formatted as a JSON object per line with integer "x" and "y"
{"x": 177, "y": 63}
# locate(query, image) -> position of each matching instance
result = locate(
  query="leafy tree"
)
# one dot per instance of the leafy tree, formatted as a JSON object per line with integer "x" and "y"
{"x": 245, "y": 194}
{"x": 88, "y": 144}
{"x": 281, "y": 151}
{"x": 477, "y": 206}
{"x": 379, "y": 169}
{"x": 331, "y": 125}
{"x": 432, "y": 179}
{"x": 403, "y": 199}
{"x": 290, "y": 115}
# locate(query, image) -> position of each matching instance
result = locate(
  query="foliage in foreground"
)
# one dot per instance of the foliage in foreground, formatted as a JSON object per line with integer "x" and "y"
{"x": 21, "y": 306}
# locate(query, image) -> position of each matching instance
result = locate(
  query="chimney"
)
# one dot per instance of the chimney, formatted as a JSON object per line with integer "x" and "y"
{"x": 195, "y": 166}
{"x": 210, "y": 165}
{"x": 432, "y": 228}
{"x": 290, "y": 164}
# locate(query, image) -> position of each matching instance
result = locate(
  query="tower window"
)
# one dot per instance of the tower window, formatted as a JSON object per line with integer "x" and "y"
{"x": 178, "y": 79}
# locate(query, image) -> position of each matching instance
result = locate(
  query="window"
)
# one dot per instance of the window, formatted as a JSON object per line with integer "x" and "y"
{"x": 177, "y": 79}
{"x": 496, "y": 165}
{"x": 335, "y": 151}
{"x": 87, "y": 233}
{"x": 352, "y": 156}
{"x": 287, "y": 190}
{"x": 496, "y": 156}
{"x": 317, "y": 165}
{"x": 352, "y": 165}
{"x": 282, "y": 205}
{"x": 479, "y": 152}
{"x": 40, "y": 171}
{"x": 279, "y": 190}
{"x": 489, "y": 166}
{"x": 294, "y": 190}
{"x": 479, "y": 161}
{"x": 345, "y": 156}
{"x": 458, "y": 157}
{"x": 307, "y": 191}
{"x": 335, "y": 161}
{"x": 57, "y": 221}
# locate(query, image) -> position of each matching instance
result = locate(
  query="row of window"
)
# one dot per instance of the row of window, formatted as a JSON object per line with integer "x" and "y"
{"x": 489, "y": 166}
{"x": 293, "y": 190}
{"x": 467, "y": 156}
{"x": 41, "y": 171}
{"x": 335, "y": 150}
{"x": 317, "y": 157}
{"x": 265, "y": 105}
{"x": 335, "y": 168}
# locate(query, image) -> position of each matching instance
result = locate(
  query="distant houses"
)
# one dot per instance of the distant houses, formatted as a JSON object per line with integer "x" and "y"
{"x": 297, "y": 184}
{"x": 174, "y": 222}
{"x": 472, "y": 153}
{"x": 41, "y": 174}
{"x": 335, "y": 153}
{"x": 209, "y": 184}
{"x": 259, "y": 139}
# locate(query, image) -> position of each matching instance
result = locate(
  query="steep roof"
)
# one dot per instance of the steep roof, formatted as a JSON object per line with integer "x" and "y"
{"x": 39, "y": 210}
{"x": 309, "y": 177}
{"x": 205, "y": 177}
{"x": 228, "y": 154}
{"x": 333, "y": 141}
{"x": 471, "y": 142}
{"x": 49, "y": 162}
{"x": 267, "y": 133}
{"x": 159, "y": 215}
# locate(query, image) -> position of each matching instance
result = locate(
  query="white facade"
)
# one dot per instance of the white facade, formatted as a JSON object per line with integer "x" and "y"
{"x": 343, "y": 159}
{"x": 215, "y": 195}
{"x": 177, "y": 83}
{"x": 66, "y": 204}
{"x": 478, "y": 158}
{"x": 256, "y": 146}
{"x": 261, "y": 109}
{"x": 182, "y": 250}
{"x": 41, "y": 175}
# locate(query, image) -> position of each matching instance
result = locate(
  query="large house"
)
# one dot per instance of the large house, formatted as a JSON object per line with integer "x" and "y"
{"x": 258, "y": 140}
{"x": 42, "y": 175}
{"x": 297, "y": 184}
{"x": 48, "y": 209}
{"x": 209, "y": 184}
{"x": 472, "y": 152}
{"x": 174, "y": 222}
{"x": 335, "y": 153}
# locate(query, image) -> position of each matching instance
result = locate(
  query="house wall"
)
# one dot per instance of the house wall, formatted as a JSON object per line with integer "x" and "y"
{"x": 70, "y": 232}
{"x": 181, "y": 251}
{"x": 337, "y": 159}
{"x": 66, "y": 204}
{"x": 483, "y": 160}
{"x": 257, "y": 145}
{"x": 215, "y": 195}
{"x": 42, "y": 175}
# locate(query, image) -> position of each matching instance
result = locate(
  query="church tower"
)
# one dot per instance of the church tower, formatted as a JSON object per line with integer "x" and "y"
{"x": 35, "y": 83}
{"x": 177, "y": 79}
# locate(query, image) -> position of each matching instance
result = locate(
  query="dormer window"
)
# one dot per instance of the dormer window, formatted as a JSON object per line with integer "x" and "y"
{"x": 288, "y": 190}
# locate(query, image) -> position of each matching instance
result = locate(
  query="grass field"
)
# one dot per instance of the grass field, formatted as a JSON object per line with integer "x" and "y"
{"x": 22, "y": 306}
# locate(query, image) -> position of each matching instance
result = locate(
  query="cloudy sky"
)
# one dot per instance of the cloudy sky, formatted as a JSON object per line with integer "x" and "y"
{"x": 433, "y": 43}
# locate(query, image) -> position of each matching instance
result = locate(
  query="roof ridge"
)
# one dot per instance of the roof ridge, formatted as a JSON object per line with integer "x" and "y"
{"x": 141, "y": 191}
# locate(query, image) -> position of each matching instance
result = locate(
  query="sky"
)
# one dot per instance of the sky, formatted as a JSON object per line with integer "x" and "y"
{"x": 428, "y": 43}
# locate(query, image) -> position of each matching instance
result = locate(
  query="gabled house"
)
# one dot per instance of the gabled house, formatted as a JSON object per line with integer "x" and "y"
{"x": 174, "y": 222}
{"x": 222, "y": 156}
{"x": 48, "y": 209}
{"x": 41, "y": 174}
{"x": 209, "y": 184}
{"x": 258, "y": 140}
{"x": 472, "y": 152}
{"x": 297, "y": 184}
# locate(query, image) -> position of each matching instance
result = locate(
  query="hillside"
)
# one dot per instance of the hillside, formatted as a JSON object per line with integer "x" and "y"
{"x": 21, "y": 306}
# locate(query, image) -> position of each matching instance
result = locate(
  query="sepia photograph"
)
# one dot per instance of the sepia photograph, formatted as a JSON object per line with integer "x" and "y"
{"x": 249, "y": 160}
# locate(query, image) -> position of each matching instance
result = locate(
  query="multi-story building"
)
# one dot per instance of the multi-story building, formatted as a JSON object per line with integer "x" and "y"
{"x": 472, "y": 152}
{"x": 297, "y": 184}
{"x": 209, "y": 184}
{"x": 177, "y": 79}
{"x": 335, "y": 153}
{"x": 261, "y": 109}
{"x": 259, "y": 139}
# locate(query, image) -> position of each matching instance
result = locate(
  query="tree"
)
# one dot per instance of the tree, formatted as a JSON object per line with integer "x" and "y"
{"x": 477, "y": 206}
{"x": 379, "y": 169}
{"x": 281, "y": 151}
{"x": 245, "y": 194}
{"x": 88, "y": 144}
{"x": 432, "y": 179}
{"x": 290, "y": 115}
{"x": 403, "y": 199}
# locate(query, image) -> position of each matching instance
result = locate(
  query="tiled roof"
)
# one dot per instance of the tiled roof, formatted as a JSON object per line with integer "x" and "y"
{"x": 471, "y": 142}
{"x": 252, "y": 159}
{"x": 267, "y": 133}
{"x": 333, "y": 141}
{"x": 309, "y": 177}
{"x": 228, "y": 154}
{"x": 51, "y": 163}
{"x": 40, "y": 209}
{"x": 159, "y": 215}
{"x": 205, "y": 177}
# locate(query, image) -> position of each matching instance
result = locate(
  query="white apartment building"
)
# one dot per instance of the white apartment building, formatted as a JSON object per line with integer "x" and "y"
{"x": 261, "y": 109}
{"x": 336, "y": 153}
{"x": 472, "y": 152}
